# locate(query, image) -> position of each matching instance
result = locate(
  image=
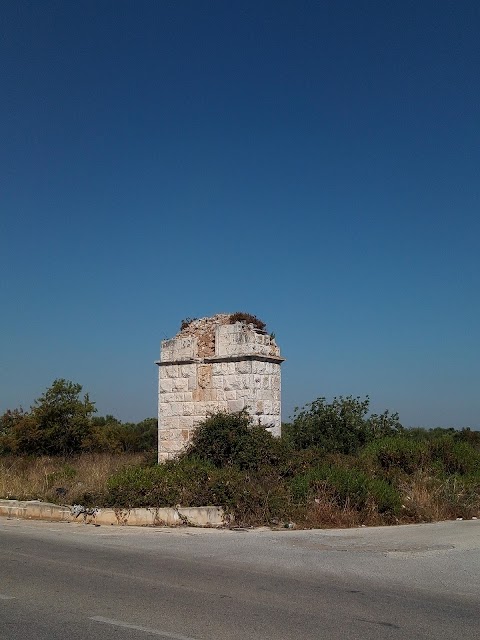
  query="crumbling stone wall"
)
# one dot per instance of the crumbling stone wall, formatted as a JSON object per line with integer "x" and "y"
{"x": 212, "y": 365}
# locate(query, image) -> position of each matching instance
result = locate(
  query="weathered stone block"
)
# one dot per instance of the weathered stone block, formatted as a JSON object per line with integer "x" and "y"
{"x": 180, "y": 348}
{"x": 258, "y": 366}
{"x": 165, "y": 411}
{"x": 188, "y": 409}
{"x": 267, "y": 407}
{"x": 232, "y": 382}
{"x": 213, "y": 407}
{"x": 166, "y": 384}
{"x": 176, "y": 408}
{"x": 236, "y": 405}
{"x": 186, "y": 422}
{"x": 187, "y": 370}
{"x": 244, "y": 366}
{"x": 218, "y": 382}
{"x": 180, "y": 384}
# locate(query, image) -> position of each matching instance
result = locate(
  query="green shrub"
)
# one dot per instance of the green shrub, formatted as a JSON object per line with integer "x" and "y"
{"x": 347, "y": 486}
{"x": 232, "y": 440}
{"x": 456, "y": 457}
{"x": 340, "y": 426}
{"x": 184, "y": 482}
{"x": 398, "y": 453}
{"x": 438, "y": 455}
{"x": 251, "y": 498}
{"x": 248, "y": 498}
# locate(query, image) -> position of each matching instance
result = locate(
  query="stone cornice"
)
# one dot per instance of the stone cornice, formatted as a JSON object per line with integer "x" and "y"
{"x": 250, "y": 357}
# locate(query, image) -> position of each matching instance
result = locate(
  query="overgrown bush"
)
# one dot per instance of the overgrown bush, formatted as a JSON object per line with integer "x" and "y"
{"x": 428, "y": 497}
{"x": 440, "y": 455}
{"x": 109, "y": 434}
{"x": 398, "y": 454}
{"x": 186, "y": 482}
{"x": 455, "y": 457}
{"x": 339, "y": 426}
{"x": 57, "y": 424}
{"x": 252, "y": 497}
{"x": 348, "y": 487}
{"x": 233, "y": 440}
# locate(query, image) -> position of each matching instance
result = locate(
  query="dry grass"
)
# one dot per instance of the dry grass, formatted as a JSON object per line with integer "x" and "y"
{"x": 429, "y": 499}
{"x": 30, "y": 478}
{"x": 326, "y": 513}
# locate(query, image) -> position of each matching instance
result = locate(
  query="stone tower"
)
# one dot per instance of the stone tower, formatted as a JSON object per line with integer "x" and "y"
{"x": 215, "y": 365}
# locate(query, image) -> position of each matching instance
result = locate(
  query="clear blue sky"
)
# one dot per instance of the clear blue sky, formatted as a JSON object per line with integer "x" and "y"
{"x": 313, "y": 163}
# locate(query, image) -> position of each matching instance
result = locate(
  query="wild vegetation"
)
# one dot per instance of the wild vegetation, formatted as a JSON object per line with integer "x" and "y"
{"x": 247, "y": 318}
{"x": 335, "y": 464}
{"x": 62, "y": 423}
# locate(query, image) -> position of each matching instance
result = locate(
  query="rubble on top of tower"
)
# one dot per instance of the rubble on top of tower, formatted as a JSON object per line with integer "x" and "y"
{"x": 204, "y": 329}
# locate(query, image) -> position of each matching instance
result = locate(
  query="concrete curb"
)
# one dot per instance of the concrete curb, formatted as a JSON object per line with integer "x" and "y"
{"x": 166, "y": 517}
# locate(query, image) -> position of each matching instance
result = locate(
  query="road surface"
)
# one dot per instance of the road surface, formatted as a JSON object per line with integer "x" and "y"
{"x": 76, "y": 582}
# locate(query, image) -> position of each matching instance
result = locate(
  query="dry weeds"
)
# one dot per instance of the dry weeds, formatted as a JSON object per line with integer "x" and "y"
{"x": 60, "y": 480}
{"x": 431, "y": 499}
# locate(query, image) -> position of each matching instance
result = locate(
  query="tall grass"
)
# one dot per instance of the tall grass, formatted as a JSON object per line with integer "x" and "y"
{"x": 61, "y": 480}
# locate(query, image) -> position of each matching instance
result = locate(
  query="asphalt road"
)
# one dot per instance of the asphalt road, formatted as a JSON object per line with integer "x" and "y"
{"x": 60, "y": 580}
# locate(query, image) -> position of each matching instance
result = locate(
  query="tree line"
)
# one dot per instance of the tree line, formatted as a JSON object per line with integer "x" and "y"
{"x": 62, "y": 422}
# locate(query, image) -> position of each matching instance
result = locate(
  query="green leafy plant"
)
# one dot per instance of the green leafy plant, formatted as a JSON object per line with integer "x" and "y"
{"x": 339, "y": 426}
{"x": 347, "y": 486}
{"x": 233, "y": 440}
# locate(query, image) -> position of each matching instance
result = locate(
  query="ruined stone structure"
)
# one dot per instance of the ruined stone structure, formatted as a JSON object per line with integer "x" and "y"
{"x": 213, "y": 365}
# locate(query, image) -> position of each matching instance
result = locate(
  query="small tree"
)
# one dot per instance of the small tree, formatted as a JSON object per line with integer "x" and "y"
{"x": 57, "y": 424}
{"x": 12, "y": 422}
{"x": 63, "y": 417}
